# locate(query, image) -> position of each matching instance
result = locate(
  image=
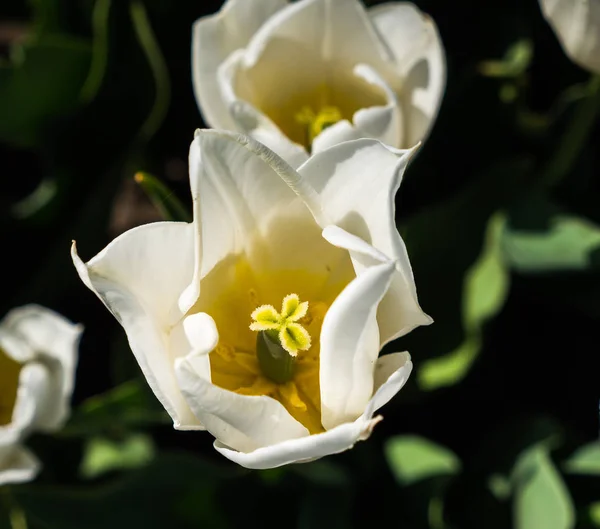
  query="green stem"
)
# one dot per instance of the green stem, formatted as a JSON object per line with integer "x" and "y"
{"x": 149, "y": 44}
{"x": 95, "y": 76}
{"x": 16, "y": 514}
{"x": 163, "y": 198}
{"x": 574, "y": 137}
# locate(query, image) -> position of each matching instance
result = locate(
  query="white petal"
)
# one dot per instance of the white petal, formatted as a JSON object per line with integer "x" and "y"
{"x": 201, "y": 331}
{"x": 250, "y": 121}
{"x": 383, "y": 123}
{"x": 214, "y": 38}
{"x": 240, "y": 190}
{"x": 364, "y": 255}
{"x": 391, "y": 373}
{"x": 356, "y": 183}
{"x": 36, "y": 397}
{"x": 53, "y": 340}
{"x": 242, "y": 422}
{"x": 336, "y": 30}
{"x": 139, "y": 277}
{"x": 577, "y": 26}
{"x": 301, "y": 450}
{"x": 419, "y": 61}
{"x": 340, "y": 438}
{"x": 19, "y": 467}
{"x": 350, "y": 346}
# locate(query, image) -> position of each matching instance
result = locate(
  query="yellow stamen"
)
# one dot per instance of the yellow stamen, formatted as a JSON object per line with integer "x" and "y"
{"x": 283, "y": 326}
{"x": 317, "y": 123}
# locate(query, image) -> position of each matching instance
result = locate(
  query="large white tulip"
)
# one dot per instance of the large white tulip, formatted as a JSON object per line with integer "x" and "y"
{"x": 262, "y": 321}
{"x": 577, "y": 26}
{"x": 305, "y": 75}
{"x": 38, "y": 356}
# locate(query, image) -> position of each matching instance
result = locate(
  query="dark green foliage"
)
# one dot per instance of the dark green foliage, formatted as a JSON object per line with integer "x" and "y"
{"x": 500, "y": 212}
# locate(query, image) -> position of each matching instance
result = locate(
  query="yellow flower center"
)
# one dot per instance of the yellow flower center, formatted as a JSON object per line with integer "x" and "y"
{"x": 265, "y": 352}
{"x": 9, "y": 384}
{"x": 283, "y": 327}
{"x": 280, "y": 337}
{"x": 317, "y": 123}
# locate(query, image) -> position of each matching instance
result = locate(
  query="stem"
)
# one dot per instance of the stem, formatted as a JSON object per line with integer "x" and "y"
{"x": 16, "y": 514}
{"x": 576, "y": 133}
{"x": 95, "y": 76}
{"x": 163, "y": 198}
{"x": 151, "y": 49}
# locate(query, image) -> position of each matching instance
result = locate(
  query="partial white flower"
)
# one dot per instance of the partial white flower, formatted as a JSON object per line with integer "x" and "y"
{"x": 577, "y": 26}
{"x": 262, "y": 321}
{"x": 305, "y": 75}
{"x": 38, "y": 356}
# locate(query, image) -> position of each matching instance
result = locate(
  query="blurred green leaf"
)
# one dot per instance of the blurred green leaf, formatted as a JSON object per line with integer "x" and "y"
{"x": 36, "y": 201}
{"x": 585, "y": 460}
{"x": 125, "y": 407}
{"x": 150, "y": 497}
{"x": 500, "y": 486}
{"x": 331, "y": 508}
{"x": 163, "y": 198}
{"x": 103, "y": 455}
{"x": 485, "y": 288}
{"x": 594, "y": 513}
{"x": 323, "y": 472}
{"x": 11, "y": 513}
{"x": 574, "y": 137}
{"x": 566, "y": 245}
{"x": 413, "y": 459}
{"x": 541, "y": 499}
{"x": 486, "y": 282}
{"x": 514, "y": 63}
{"x": 42, "y": 82}
{"x": 47, "y": 15}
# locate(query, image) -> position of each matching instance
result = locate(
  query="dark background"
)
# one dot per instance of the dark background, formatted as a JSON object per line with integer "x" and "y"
{"x": 82, "y": 109}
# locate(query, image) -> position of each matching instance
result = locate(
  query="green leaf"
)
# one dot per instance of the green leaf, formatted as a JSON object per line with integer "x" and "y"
{"x": 125, "y": 407}
{"x": 450, "y": 368}
{"x": 323, "y": 473}
{"x": 104, "y": 455}
{"x": 413, "y": 459}
{"x": 567, "y": 244}
{"x": 42, "y": 195}
{"x": 514, "y": 63}
{"x": 585, "y": 460}
{"x": 541, "y": 499}
{"x": 485, "y": 288}
{"x": 156, "y": 496}
{"x": 594, "y": 513}
{"x": 163, "y": 198}
{"x": 42, "y": 82}
{"x": 575, "y": 136}
{"x": 500, "y": 486}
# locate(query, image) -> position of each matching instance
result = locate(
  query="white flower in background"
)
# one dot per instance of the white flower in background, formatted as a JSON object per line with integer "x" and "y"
{"x": 577, "y": 26}
{"x": 262, "y": 321}
{"x": 38, "y": 356}
{"x": 305, "y": 75}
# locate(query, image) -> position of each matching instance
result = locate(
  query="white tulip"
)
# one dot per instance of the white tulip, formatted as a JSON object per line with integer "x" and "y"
{"x": 201, "y": 302}
{"x": 38, "y": 356}
{"x": 577, "y": 26}
{"x": 305, "y": 75}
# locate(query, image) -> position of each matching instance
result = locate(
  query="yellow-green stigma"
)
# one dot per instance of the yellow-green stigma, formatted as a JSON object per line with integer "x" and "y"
{"x": 280, "y": 337}
{"x": 317, "y": 123}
